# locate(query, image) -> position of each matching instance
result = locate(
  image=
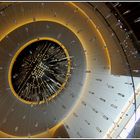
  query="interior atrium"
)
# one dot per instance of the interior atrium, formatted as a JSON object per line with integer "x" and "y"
{"x": 69, "y": 69}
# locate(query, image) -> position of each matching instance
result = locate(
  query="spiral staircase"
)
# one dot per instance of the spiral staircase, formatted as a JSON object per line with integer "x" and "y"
{"x": 67, "y": 70}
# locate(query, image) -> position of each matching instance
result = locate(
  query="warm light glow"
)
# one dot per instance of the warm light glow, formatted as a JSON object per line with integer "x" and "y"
{"x": 125, "y": 109}
{"x": 99, "y": 33}
{"x": 14, "y": 59}
{"x": 46, "y": 133}
{"x": 131, "y": 123}
{"x": 83, "y": 44}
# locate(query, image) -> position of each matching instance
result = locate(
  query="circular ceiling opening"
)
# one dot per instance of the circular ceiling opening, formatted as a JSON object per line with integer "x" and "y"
{"x": 39, "y": 71}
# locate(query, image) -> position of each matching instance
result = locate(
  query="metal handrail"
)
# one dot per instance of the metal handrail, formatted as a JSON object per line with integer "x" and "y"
{"x": 122, "y": 47}
{"x": 126, "y": 57}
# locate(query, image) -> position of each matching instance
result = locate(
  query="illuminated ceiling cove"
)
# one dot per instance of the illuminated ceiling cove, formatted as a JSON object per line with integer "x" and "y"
{"x": 67, "y": 70}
